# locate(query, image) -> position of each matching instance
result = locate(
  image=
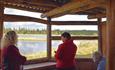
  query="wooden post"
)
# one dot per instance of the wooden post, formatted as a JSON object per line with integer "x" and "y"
{"x": 1, "y": 26}
{"x": 99, "y": 36}
{"x": 110, "y": 35}
{"x": 1, "y": 21}
{"x": 49, "y": 38}
{"x": 104, "y": 38}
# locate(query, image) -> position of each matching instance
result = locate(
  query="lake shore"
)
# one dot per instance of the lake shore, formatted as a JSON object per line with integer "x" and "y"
{"x": 31, "y": 39}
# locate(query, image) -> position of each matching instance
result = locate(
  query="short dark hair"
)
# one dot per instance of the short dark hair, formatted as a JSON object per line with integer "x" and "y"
{"x": 66, "y": 35}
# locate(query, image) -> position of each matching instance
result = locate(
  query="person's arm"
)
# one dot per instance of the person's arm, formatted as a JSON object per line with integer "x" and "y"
{"x": 59, "y": 52}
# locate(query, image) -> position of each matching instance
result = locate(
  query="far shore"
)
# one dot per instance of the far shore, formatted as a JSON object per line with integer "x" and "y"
{"x": 31, "y": 39}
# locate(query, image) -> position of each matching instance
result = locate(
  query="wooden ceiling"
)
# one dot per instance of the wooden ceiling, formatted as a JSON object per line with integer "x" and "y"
{"x": 56, "y": 8}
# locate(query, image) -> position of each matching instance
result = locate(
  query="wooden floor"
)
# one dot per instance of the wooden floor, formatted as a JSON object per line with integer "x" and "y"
{"x": 40, "y": 66}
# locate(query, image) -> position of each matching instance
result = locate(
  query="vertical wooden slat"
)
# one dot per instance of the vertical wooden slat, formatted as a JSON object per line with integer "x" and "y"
{"x": 1, "y": 26}
{"x": 49, "y": 38}
{"x": 99, "y": 36}
{"x": 110, "y": 35}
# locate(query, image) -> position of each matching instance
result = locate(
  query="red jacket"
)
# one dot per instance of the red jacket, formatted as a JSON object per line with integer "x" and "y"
{"x": 65, "y": 55}
{"x": 12, "y": 59}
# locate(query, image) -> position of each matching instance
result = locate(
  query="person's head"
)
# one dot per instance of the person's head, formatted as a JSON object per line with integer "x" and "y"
{"x": 96, "y": 57}
{"x": 65, "y": 36}
{"x": 10, "y": 38}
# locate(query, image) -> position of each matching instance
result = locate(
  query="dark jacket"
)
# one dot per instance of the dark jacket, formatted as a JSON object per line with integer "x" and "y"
{"x": 65, "y": 55}
{"x": 12, "y": 59}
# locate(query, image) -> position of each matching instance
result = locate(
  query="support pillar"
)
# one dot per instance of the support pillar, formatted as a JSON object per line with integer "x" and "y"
{"x": 1, "y": 26}
{"x": 100, "y": 36}
{"x": 1, "y": 21}
{"x": 49, "y": 38}
{"x": 110, "y": 35}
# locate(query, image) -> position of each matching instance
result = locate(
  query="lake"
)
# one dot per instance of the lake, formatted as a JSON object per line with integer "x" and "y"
{"x": 34, "y": 43}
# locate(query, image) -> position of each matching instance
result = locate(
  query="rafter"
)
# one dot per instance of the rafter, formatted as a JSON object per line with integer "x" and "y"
{"x": 26, "y": 7}
{"x": 67, "y": 8}
{"x": 45, "y": 3}
{"x": 102, "y": 15}
{"x": 92, "y": 5}
{"x": 87, "y": 10}
{"x": 42, "y": 4}
{"x": 17, "y": 18}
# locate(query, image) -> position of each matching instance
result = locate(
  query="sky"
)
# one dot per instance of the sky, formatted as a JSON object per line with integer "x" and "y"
{"x": 34, "y": 25}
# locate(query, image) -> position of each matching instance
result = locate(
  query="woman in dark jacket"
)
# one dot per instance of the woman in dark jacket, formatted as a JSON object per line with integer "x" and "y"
{"x": 65, "y": 55}
{"x": 12, "y": 59}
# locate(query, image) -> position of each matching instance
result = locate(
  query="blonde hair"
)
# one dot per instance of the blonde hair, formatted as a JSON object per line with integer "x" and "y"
{"x": 10, "y": 38}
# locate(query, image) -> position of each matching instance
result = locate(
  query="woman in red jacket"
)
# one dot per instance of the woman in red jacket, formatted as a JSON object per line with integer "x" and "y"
{"x": 12, "y": 59}
{"x": 65, "y": 54}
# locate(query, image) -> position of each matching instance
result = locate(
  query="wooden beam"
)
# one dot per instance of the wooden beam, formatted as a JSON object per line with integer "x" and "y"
{"x": 74, "y": 23}
{"x": 18, "y": 18}
{"x": 60, "y": 10}
{"x": 26, "y": 7}
{"x": 102, "y": 15}
{"x": 77, "y": 37}
{"x": 49, "y": 38}
{"x": 83, "y": 8}
{"x": 45, "y": 3}
{"x": 89, "y": 6}
{"x": 110, "y": 35}
{"x": 42, "y": 4}
{"x": 66, "y": 8}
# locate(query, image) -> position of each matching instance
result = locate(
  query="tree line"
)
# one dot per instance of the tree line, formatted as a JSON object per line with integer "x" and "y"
{"x": 55, "y": 32}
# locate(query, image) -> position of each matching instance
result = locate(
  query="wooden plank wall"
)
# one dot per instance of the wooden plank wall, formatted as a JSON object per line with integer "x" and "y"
{"x": 85, "y": 64}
